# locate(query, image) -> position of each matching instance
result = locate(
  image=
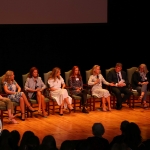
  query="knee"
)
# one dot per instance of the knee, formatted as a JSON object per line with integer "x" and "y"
{"x": 43, "y": 97}
{"x": 117, "y": 92}
{"x": 38, "y": 93}
{"x": 21, "y": 99}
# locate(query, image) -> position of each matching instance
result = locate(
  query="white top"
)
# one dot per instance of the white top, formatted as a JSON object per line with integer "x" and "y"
{"x": 57, "y": 83}
{"x": 93, "y": 78}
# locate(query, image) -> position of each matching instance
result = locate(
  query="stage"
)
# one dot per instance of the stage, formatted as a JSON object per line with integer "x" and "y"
{"x": 79, "y": 125}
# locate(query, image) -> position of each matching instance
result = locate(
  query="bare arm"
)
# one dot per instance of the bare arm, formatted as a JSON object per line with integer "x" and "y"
{"x": 63, "y": 86}
{"x": 8, "y": 91}
{"x": 18, "y": 87}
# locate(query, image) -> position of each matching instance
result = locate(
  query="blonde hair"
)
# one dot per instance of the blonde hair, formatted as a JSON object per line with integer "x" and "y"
{"x": 93, "y": 69}
{"x": 144, "y": 68}
{"x": 7, "y": 75}
{"x": 54, "y": 72}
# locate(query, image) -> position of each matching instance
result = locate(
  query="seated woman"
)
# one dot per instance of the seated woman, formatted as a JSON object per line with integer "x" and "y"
{"x": 139, "y": 81}
{"x": 76, "y": 84}
{"x": 10, "y": 108}
{"x": 57, "y": 85}
{"x": 96, "y": 79}
{"x": 34, "y": 86}
{"x": 14, "y": 92}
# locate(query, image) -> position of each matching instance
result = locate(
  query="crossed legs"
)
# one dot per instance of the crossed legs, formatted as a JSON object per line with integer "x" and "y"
{"x": 41, "y": 102}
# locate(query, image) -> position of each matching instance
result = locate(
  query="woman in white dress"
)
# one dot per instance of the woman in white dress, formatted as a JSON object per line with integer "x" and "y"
{"x": 96, "y": 79}
{"x": 57, "y": 91}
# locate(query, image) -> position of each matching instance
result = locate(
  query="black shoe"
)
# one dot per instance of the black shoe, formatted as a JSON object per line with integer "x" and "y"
{"x": 23, "y": 119}
{"x": 84, "y": 111}
{"x": 60, "y": 114}
{"x": 119, "y": 107}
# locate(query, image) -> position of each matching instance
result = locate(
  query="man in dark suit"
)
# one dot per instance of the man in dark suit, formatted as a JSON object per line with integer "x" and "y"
{"x": 119, "y": 78}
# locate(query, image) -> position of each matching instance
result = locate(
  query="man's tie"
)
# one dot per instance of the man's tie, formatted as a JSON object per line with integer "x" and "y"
{"x": 119, "y": 79}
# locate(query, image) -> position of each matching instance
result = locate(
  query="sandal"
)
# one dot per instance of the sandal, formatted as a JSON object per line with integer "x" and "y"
{"x": 141, "y": 97}
{"x": 12, "y": 120}
{"x": 104, "y": 109}
{"x": 109, "y": 109}
{"x": 145, "y": 105}
{"x": 31, "y": 109}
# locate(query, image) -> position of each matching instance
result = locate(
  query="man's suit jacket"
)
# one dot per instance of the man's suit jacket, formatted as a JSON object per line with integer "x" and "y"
{"x": 112, "y": 77}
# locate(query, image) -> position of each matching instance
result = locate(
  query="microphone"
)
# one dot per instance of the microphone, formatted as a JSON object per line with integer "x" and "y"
{"x": 97, "y": 77}
{"x": 35, "y": 84}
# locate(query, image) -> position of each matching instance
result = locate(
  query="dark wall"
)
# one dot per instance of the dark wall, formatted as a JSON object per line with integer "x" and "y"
{"x": 65, "y": 45}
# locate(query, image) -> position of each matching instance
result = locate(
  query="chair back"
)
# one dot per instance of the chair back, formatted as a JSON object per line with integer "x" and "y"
{"x": 130, "y": 71}
{"x": 67, "y": 75}
{"x": 1, "y": 85}
{"x": 107, "y": 71}
{"x": 24, "y": 78}
{"x": 88, "y": 73}
{"x": 46, "y": 77}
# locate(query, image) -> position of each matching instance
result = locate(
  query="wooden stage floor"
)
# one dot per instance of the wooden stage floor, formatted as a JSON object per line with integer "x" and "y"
{"x": 78, "y": 125}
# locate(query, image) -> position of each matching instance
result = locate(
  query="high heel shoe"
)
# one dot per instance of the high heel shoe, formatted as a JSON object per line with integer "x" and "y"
{"x": 70, "y": 107}
{"x": 104, "y": 109}
{"x": 141, "y": 97}
{"x": 12, "y": 120}
{"x": 31, "y": 109}
{"x": 145, "y": 106}
{"x": 22, "y": 118}
{"x": 61, "y": 112}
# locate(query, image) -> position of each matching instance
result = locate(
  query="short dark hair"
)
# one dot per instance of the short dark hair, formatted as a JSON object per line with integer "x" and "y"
{"x": 119, "y": 65}
{"x": 98, "y": 129}
{"x": 123, "y": 125}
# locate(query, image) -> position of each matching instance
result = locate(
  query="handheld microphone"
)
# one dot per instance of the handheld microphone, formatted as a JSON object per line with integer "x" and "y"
{"x": 98, "y": 78}
{"x": 35, "y": 84}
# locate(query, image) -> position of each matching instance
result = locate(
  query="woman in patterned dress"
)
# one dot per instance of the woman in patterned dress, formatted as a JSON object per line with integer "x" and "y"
{"x": 13, "y": 90}
{"x": 57, "y": 91}
{"x": 96, "y": 79}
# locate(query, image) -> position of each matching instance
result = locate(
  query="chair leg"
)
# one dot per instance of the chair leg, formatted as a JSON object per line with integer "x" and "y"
{"x": 74, "y": 105}
{"x": 93, "y": 104}
{"x": 90, "y": 104}
{"x": 149, "y": 100}
{"x": 15, "y": 109}
{"x": 47, "y": 105}
{"x": 133, "y": 101}
{"x": 114, "y": 98}
{"x": 53, "y": 111}
{"x": 1, "y": 111}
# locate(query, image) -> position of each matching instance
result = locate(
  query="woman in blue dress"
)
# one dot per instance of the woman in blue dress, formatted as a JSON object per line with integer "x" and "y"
{"x": 13, "y": 90}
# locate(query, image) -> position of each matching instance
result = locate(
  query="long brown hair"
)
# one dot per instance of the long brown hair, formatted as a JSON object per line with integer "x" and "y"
{"x": 31, "y": 72}
{"x": 72, "y": 74}
{"x": 54, "y": 72}
{"x": 7, "y": 75}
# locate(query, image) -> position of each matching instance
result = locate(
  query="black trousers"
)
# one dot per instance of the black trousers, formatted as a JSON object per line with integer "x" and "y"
{"x": 83, "y": 95}
{"x": 117, "y": 91}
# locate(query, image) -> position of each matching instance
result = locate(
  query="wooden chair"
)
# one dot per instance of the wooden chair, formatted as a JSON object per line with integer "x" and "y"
{"x": 3, "y": 107}
{"x": 135, "y": 94}
{"x": 52, "y": 102}
{"x": 76, "y": 99}
{"x": 94, "y": 98}
{"x": 112, "y": 94}
{"x": 33, "y": 101}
